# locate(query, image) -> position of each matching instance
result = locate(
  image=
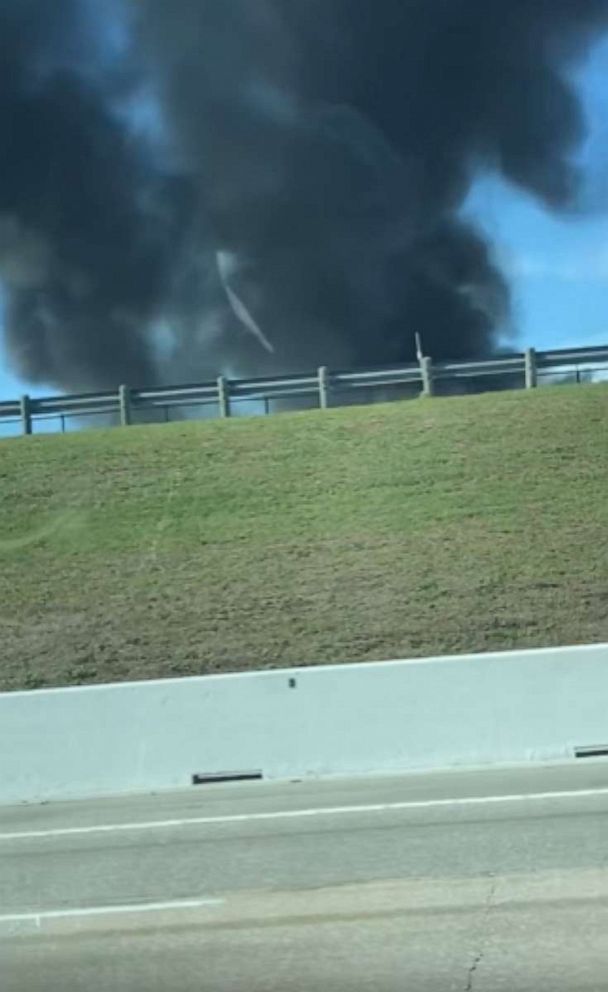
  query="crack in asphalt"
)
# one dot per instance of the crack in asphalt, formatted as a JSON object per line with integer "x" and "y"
{"x": 471, "y": 973}
{"x": 478, "y": 958}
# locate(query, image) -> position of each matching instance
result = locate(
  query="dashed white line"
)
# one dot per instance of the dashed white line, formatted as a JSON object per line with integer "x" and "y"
{"x": 294, "y": 814}
{"x": 147, "y": 907}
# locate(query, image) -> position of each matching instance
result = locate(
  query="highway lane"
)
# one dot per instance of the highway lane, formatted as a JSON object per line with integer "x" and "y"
{"x": 493, "y": 879}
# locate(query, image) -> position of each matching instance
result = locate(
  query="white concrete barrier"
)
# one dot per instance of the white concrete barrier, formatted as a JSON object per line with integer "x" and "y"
{"x": 334, "y": 720}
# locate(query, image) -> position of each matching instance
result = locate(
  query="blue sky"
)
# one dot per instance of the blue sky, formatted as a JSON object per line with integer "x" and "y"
{"x": 557, "y": 266}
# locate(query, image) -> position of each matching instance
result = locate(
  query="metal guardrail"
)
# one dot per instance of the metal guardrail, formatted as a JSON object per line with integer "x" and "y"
{"x": 223, "y": 395}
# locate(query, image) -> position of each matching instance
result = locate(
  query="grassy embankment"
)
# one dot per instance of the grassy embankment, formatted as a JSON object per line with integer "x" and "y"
{"x": 415, "y": 528}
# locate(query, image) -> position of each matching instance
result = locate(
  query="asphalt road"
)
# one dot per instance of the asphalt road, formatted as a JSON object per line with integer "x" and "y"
{"x": 483, "y": 881}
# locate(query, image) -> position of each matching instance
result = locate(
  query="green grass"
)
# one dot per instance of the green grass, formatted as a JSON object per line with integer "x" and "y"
{"x": 415, "y": 528}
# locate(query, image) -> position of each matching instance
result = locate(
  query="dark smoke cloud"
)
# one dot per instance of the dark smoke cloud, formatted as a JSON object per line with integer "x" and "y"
{"x": 322, "y": 147}
{"x": 81, "y": 260}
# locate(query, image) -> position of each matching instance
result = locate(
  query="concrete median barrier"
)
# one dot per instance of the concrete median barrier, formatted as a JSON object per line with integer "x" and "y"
{"x": 384, "y": 717}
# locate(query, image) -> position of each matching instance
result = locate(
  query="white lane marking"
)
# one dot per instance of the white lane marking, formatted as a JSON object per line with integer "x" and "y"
{"x": 146, "y": 907}
{"x": 293, "y": 814}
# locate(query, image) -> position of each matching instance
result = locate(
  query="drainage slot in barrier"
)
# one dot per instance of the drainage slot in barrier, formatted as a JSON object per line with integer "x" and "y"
{"x": 591, "y": 751}
{"x": 206, "y": 778}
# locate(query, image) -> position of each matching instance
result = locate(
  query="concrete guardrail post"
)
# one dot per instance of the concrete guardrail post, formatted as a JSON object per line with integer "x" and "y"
{"x": 530, "y": 371}
{"x": 223, "y": 396}
{"x": 323, "y": 387}
{"x": 124, "y": 403}
{"x": 426, "y": 372}
{"x": 25, "y": 405}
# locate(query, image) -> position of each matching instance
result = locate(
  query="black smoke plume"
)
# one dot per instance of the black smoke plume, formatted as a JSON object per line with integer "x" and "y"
{"x": 265, "y": 185}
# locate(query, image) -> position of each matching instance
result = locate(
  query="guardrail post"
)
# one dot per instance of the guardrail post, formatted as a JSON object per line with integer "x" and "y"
{"x": 25, "y": 405}
{"x": 323, "y": 387}
{"x": 426, "y": 372}
{"x": 223, "y": 395}
{"x": 124, "y": 403}
{"x": 530, "y": 373}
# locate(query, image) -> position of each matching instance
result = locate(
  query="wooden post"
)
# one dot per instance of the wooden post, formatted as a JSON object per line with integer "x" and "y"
{"x": 124, "y": 403}
{"x": 426, "y": 372}
{"x": 223, "y": 395}
{"x": 323, "y": 387}
{"x": 25, "y": 404}
{"x": 530, "y": 372}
